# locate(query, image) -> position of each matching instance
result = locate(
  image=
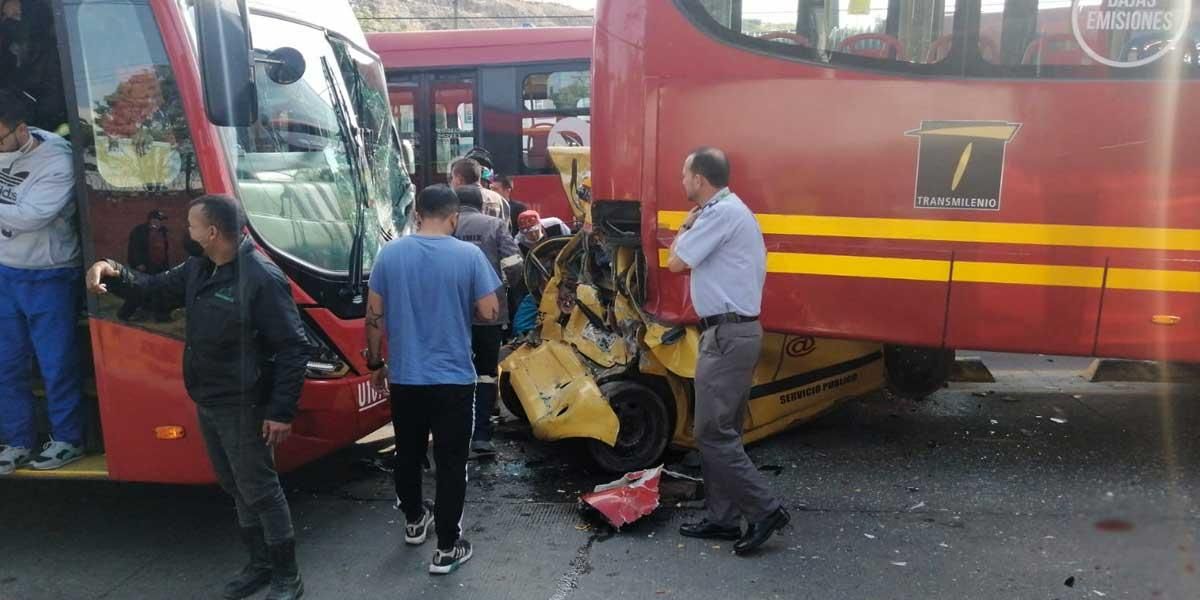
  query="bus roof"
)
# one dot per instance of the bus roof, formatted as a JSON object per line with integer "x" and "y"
{"x": 336, "y": 17}
{"x": 471, "y": 47}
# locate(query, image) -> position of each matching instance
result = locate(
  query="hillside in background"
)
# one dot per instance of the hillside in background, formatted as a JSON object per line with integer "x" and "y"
{"x": 415, "y": 15}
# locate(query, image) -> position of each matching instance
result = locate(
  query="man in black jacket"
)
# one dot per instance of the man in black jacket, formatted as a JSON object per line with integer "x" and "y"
{"x": 243, "y": 364}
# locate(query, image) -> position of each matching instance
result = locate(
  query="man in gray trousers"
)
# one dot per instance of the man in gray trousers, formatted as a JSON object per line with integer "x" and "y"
{"x": 722, "y": 245}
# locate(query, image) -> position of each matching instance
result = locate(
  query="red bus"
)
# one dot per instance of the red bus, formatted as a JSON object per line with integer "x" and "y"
{"x": 296, "y": 125}
{"x": 1011, "y": 176}
{"x": 520, "y": 82}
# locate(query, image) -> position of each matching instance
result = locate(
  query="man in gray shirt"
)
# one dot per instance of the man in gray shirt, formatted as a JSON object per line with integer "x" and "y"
{"x": 722, "y": 245}
{"x": 39, "y": 276}
{"x": 489, "y": 234}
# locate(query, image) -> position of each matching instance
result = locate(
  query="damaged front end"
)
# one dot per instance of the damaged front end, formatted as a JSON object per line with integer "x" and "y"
{"x": 599, "y": 368}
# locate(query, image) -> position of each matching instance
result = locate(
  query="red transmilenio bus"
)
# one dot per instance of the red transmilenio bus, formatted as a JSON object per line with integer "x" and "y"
{"x": 937, "y": 174}
{"x": 167, "y": 100}
{"x": 520, "y": 83}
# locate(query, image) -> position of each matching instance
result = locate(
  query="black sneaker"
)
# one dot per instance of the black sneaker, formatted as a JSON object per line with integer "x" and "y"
{"x": 483, "y": 449}
{"x": 415, "y": 533}
{"x": 446, "y": 561}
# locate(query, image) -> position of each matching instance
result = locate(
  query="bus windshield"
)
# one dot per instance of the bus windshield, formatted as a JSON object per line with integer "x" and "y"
{"x": 293, "y": 166}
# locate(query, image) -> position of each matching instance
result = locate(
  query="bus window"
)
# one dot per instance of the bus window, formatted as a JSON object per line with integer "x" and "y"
{"x": 995, "y": 38}
{"x": 1048, "y": 39}
{"x": 896, "y": 31}
{"x": 140, "y": 169}
{"x": 453, "y": 101}
{"x": 547, "y": 99}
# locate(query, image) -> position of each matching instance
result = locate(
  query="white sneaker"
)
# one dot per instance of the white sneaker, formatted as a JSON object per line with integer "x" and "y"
{"x": 446, "y": 561}
{"x": 415, "y": 533}
{"x": 56, "y": 454}
{"x": 13, "y": 458}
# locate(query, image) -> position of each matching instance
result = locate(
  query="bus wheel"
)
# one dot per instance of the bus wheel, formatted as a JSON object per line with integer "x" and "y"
{"x": 914, "y": 373}
{"x": 508, "y": 396}
{"x": 645, "y": 428}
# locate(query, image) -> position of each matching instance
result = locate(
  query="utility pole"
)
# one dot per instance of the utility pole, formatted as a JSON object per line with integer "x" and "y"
{"x": 456, "y": 14}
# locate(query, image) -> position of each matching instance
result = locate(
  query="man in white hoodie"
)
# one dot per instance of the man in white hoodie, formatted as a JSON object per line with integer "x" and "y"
{"x": 39, "y": 281}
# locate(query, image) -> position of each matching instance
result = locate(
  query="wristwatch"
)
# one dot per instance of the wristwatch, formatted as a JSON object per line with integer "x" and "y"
{"x": 375, "y": 366}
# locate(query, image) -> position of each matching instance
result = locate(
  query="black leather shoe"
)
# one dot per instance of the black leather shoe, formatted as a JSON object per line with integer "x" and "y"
{"x": 710, "y": 531}
{"x": 759, "y": 532}
{"x": 257, "y": 573}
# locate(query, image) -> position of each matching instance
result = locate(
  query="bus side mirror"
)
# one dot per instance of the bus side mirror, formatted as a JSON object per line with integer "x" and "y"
{"x": 285, "y": 66}
{"x": 226, "y": 62}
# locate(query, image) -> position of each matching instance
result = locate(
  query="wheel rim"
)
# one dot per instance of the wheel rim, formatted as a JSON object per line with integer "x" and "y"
{"x": 634, "y": 418}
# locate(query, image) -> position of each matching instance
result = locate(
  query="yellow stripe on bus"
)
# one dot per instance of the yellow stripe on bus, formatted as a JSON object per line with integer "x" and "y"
{"x": 1037, "y": 234}
{"x": 1154, "y": 280}
{"x": 1024, "y": 274}
{"x": 913, "y": 269}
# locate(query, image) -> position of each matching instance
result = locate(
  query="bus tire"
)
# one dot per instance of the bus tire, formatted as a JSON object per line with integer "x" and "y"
{"x": 645, "y": 428}
{"x": 914, "y": 373}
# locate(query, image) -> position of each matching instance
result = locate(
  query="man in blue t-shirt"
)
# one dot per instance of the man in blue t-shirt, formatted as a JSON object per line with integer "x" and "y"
{"x": 424, "y": 289}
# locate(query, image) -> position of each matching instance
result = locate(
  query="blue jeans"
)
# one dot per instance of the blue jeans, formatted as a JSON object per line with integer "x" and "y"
{"x": 37, "y": 318}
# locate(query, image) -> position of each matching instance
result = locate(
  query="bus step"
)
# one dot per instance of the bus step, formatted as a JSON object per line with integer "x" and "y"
{"x": 94, "y": 466}
{"x": 1142, "y": 371}
{"x": 970, "y": 369}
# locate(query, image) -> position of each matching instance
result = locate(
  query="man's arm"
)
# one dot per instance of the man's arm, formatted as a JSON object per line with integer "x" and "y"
{"x": 484, "y": 286}
{"x": 511, "y": 263}
{"x": 488, "y": 307}
{"x": 41, "y": 203}
{"x": 374, "y": 326}
{"x": 111, "y": 276}
{"x": 277, "y": 319}
{"x": 674, "y": 263}
{"x": 374, "y": 323}
{"x": 697, "y": 239}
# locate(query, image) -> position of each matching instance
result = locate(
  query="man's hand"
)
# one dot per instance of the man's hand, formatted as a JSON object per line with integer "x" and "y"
{"x": 96, "y": 275}
{"x": 691, "y": 217}
{"x": 275, "y": 432}
{"x": 379, "y": 381}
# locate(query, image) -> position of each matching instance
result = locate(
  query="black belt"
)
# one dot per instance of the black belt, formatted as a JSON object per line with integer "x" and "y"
{"x": 723, "y": 319}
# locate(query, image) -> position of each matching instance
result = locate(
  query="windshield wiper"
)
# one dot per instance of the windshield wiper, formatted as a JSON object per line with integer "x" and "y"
{"x": 356, "y": 159}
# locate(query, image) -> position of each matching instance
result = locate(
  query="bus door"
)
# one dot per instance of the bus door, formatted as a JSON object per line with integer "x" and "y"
{"x": 436, "y": 112}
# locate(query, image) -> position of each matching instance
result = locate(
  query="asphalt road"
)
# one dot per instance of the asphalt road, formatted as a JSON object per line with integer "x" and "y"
{"x": 1040, "y": 485}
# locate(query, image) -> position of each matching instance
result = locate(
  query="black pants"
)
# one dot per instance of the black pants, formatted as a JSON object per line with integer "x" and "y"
{"x": 245, "y": 468}
{"x": 446, "y": 411}
{"x": 485, "y": 345}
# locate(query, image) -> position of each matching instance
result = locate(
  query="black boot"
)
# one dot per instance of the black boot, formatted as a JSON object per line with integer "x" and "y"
{"x": 285, "y": 575}
{"x": 257, "y": 573}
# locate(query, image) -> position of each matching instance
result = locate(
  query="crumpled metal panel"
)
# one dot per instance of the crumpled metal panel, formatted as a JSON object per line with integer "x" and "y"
{"x": 639, "y": 493}
{"x": 676, "y": 348}
{"x": 560, "y": 398}
{"x": 604, "y": 347}
{"x": 627, "y": 499}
